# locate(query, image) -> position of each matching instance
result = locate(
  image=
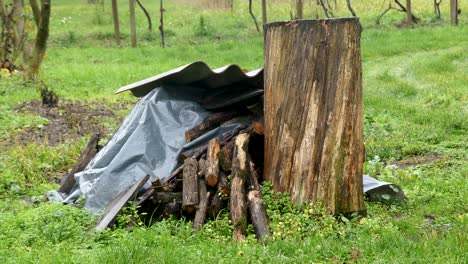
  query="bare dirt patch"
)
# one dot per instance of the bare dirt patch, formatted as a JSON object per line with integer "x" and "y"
{"x": 419, "y": 160}
{"x": 70, "y": 120}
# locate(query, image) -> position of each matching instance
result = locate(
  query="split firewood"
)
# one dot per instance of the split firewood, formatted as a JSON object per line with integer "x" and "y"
{"x": 238, "y": 199}
{"x": 209, "y": 123}
{"x": 86, "y": 156}
{"x": 219, "y": 199}
{"x": 190, "y": 185}
{"x": 212, "y": 170}
{"x": 166, "y": 197}
{"x": 257, "y": 209}
{"x": 148, "y": 194}
{"x": 204, "y": 197}
{"x": 202, "y": 168}
{"x": 225, "y": 156}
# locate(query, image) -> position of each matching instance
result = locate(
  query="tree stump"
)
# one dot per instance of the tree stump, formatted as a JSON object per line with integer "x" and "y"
{"x": 314, "y": 112}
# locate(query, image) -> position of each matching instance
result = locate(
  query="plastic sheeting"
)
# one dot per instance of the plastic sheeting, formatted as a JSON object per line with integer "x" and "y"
{"x": 148, "y": 142}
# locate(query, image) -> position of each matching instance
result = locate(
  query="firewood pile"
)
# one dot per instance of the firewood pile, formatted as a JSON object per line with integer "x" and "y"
{"x": 223, "y": 174}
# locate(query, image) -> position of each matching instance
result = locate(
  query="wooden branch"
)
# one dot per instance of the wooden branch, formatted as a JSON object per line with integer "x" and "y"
{"x": 36, "y": 11}
{"x": 209, "y": 123}
{"x": 190, "y": 185}
{"x": 325, "y": 9}
{"x": 350, "y": 8}
{"x": 238, "y": 196}
{"x": 253, "y": 16}
{"x": 161, "y": 22}
{"x": 212, "y": 172}
{"x": 119, "y": 202}
{"x": 377, "y": 22}
{"x": 148, "y": 17}
{"x": 86, "y": 156}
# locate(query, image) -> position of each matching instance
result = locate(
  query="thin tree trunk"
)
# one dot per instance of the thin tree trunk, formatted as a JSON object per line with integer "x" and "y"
{"x": 161, "y": 21}
{"x": 40, "y": 45}
{"x": 264, "y": 12}
{"x": 454, "y": 12}
{"x": 115, "y": 15}
{"x": 350, "y": 8}
{"x": 325, "y": 9}
{"x": 132, "y": 23}
{"x": 299, "y": 9}
{"x": 314, "y": 112}
{"x": 253, "y": 16}
{"x": 409, "y": 15}
{"x": 35, "y": 11}
{"x": 148, "y": 17}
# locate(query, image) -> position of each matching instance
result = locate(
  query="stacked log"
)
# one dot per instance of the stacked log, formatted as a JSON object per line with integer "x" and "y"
{"x": 200, "y": 188}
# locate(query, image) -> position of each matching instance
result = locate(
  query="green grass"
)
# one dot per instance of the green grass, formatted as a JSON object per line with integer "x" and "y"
{"x": 416, "y": 96}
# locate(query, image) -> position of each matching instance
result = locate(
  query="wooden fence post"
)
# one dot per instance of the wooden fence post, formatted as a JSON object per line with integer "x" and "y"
{"x": 454, "y": 12}
{"x": 314, "y": 112}
{"x": 132, "y": 23}
{"x": 115, "y": 15}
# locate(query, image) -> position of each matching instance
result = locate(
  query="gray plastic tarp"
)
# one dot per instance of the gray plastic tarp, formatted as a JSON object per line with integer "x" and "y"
{"x": 148, "y": 142}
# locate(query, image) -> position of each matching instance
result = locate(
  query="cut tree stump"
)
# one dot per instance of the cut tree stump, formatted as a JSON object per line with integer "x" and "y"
{"x": 86, "y": 156}
{"x": 238, "y": 196}
{"x": 314, "y": 112}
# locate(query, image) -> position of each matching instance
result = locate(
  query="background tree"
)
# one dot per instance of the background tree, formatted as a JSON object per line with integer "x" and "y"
{"x": 41, "y": 17}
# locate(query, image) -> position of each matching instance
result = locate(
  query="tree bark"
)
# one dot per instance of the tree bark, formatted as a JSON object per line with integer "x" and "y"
{"x": 238, "y": 196}
{"x": 409, "y": 15}
{"x": 204, "y": 197}
{"x": 212, "y": 172}
{"x": 36, "y": 11}
{"x": 190, "y": 185}
{"x": 314, "y": 112}
{"x": 115, "y": 15}
{"x": 87, "y": 155}
{"x": 132, "y": 23}
{"x": 225, "y": 156}
{"x": 454, "y": 12}
{"x": 42, "y": 35}
{"x": 258, "y": 213}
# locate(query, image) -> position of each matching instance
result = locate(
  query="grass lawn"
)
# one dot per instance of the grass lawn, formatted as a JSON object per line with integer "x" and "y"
{"x": 416, "y": 98}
